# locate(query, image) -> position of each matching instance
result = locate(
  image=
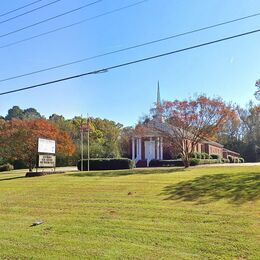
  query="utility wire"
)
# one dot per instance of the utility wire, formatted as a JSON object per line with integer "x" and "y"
{"x": 73, "y": 24}
{"x": 19, "y": 8}
{"x": 28, "y": 12}
{"x": 51, "y": 18}
{"x": 130, "y": 62}
{"x": 124, "y": 49}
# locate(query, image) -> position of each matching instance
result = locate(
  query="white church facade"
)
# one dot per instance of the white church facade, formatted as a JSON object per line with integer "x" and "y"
{"x": 148, "y": 145}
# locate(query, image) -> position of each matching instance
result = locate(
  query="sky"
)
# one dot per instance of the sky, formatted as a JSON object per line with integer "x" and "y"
{"x": 228, "y": 69}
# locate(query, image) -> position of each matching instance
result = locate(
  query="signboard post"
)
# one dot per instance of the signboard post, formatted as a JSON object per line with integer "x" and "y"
{"x": 46, "y": 153}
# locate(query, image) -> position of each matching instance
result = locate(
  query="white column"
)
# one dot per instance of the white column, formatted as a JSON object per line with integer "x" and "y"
{"x": 140, "y": 148}
{"x": 133, "y": 148}
{"x": 161, "y": 149}
{"x": 158, "y": 148}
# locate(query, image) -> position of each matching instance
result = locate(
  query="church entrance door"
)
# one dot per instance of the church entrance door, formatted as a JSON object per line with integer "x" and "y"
{"x": 149, "y": 150}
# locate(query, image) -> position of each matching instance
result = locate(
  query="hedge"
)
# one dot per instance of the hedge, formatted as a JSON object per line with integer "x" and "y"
{"x": 214, "y": 156}
{"x": 6, "y": 167}
{"x": 106, "y": 164}
{"x": 178, "y": 162}
{"x": 241, "y": 160}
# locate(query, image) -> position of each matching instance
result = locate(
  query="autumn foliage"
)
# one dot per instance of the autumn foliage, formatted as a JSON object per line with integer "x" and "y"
{"x": 18, "y": 139}
{"x": 191, "y": 121}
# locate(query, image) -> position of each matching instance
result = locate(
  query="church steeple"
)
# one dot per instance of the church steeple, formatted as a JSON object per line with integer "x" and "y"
{"x": 158, "y": 94}
{"x": 158, "y": 111}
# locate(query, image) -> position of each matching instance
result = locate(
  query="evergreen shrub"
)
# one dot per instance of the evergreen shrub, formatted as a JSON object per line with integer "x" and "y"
{"x": 6, "y": 167}
{"x": 106, "y": 164}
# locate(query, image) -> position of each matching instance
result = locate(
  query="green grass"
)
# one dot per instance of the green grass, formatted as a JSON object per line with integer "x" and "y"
{"x": 199, "y": 213}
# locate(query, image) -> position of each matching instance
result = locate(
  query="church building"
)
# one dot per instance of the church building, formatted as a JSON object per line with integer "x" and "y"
{"x": 148, "y": 143}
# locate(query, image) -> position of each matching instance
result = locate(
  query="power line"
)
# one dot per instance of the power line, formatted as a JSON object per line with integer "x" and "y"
{"x": 51, "y": 18}
{"x": 28, "y": 12}
{"x": 130, "y": 62}
{"x": 19, "y": 8}
{"x": 127, "y": 48}
{"x": 73, "y": 24}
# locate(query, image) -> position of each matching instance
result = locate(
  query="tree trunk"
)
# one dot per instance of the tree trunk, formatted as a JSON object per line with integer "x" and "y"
{"x": 186, "y": 161}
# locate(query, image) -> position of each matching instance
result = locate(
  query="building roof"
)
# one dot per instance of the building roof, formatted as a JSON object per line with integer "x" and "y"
{"x": 213, "y": 143}
{"x": 230, "y": 151}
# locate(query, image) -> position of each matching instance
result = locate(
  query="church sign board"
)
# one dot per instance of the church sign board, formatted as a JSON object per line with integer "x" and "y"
{"x": 46, "y": 153}
{"x": 47, "y": 161}
{"x": 46, "y": 146}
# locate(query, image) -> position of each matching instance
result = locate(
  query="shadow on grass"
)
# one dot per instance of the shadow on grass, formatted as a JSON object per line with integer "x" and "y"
{"x": 12, "y": 178}
{"x": 237, "y": 188}
{"x": 115, "y": 173}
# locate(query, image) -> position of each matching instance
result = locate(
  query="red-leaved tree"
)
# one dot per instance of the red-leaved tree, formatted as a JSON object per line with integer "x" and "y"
{"x": 189, "y": 122}
{"x": 18, "y": 139}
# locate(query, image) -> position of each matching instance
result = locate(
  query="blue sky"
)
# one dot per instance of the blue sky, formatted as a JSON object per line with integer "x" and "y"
{"x": 227, "y": 69}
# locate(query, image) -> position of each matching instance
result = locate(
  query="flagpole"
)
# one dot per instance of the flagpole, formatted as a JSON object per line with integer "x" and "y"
{"x": 81, "y": 135}
{"x": 88, "y": 140}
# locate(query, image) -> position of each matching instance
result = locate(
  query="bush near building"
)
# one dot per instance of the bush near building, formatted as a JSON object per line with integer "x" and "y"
{"x": 106, "y": 164}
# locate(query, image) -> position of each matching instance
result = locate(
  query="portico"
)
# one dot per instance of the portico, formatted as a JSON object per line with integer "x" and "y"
{"x": 147, "y": 144}
{"x": 147, "y": 148}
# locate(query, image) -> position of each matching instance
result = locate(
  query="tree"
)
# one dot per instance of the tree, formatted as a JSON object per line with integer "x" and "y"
{"x": 18, "y": 113}
{"x": 31, "y": 113}
{"x": 125, "y": 136}
{"x": 14, "y": 112}
{"x": 189, "y": 122}
{"x": 104, "y": 135}
{"x": 257, "y": 93}
{"x": 18, "y": 139}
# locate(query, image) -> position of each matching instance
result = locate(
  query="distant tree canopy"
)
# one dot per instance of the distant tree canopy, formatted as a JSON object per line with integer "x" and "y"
{"x": 17, "y": 113}
{"x": 244, "y": 136}
{"x": 104, "y": 135}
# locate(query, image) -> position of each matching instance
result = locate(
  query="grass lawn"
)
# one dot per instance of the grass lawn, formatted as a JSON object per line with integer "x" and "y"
{"x": 199, "y": 213}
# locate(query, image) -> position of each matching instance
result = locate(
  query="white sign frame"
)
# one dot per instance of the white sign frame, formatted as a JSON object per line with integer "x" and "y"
{"x": 46, "y": 146}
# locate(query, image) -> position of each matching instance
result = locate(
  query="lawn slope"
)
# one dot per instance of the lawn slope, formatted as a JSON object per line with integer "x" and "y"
{"x": 199, "y": 213}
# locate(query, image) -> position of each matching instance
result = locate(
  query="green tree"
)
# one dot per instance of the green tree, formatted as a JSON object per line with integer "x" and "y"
{"x": 14, "y": 112}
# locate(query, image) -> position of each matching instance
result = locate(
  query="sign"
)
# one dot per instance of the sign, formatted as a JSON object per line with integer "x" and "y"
{"x": 47, "y": 160}
{"x": 46, "y": 146}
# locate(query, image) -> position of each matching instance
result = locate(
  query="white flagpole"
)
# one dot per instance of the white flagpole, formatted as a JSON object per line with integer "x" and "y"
{"x": 81, "y": 135}
{"x": 88, "y": 140}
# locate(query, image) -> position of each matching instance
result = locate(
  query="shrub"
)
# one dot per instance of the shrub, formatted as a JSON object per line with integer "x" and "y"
{"x": 230, "y": 159}
{"x": 241, "y": 160}
{"x": 193, "y": 155}
{"x": 106, "y": 164}
{"x": 198, "y": 156}
{"x": 6, "y": 167}
{"x": 206, "y": 156}
{"x": 236, "y": 160}
{"x": 19, "y": 164}
{"x": 194, "y": 162}
{"x": 165, "y": 163}
{"x": 223, "y": 160}
{"x": 202, "y": 156}
{"x": 215, "y": 156}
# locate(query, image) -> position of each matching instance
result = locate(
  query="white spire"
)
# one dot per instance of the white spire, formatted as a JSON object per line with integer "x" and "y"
{"x": 158, "y": 94}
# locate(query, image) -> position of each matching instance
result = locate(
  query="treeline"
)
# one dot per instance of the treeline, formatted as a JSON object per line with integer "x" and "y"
{"x": 109, "y": 139}
{"x": 243, "y": 135}
{"x": 105, "y": 135}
